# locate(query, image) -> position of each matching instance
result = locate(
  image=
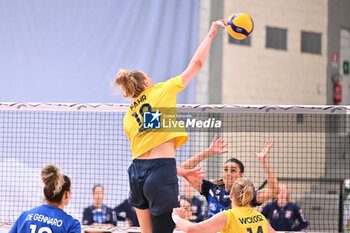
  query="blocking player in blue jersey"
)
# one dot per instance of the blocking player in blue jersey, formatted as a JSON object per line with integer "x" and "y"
{"x": 50, "y": 218}
{"x": 218, "y": 193}
{"x": 283, "y": 214}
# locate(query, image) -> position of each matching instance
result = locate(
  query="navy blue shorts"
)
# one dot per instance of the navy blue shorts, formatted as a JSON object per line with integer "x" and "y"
{"x": 154, "y": 185}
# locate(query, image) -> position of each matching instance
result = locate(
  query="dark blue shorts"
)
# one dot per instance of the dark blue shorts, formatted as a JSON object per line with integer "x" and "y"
{"x": 154, "y": 185}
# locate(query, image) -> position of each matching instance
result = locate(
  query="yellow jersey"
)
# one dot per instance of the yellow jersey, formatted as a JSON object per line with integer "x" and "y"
{"x": 244, "y": 220}
{"x": 161, "y": 95}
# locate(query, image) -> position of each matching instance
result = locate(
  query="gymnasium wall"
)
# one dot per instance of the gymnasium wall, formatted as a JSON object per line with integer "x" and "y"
{"x": 258, "y": 75}
{"x": 70, "y": 51}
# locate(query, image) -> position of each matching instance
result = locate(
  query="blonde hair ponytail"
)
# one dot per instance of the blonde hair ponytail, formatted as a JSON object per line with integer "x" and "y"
{"x": 243, "y": 191}
{"x": 131, "y": 82}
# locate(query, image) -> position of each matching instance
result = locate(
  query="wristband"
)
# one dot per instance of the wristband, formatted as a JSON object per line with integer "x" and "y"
{"x": 176, "y": 218}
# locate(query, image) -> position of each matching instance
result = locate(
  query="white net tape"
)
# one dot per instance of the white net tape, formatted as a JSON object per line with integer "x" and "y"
{"x": 300, "y": 109}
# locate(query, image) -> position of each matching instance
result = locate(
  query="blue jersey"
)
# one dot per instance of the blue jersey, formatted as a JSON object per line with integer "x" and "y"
{"x": 283, "y": 218}
{"x": 46, "y": 219}
{"x": 101, "y": 214}
{"x": 218, "y": 198}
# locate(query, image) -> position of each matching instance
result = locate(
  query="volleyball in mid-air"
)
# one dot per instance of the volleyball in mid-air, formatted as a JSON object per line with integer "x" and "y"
{"x": 240, "y": 25}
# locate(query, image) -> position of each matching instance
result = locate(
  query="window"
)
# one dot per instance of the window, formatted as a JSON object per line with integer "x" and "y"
{"x": 311, "y": 42}
{"x": 246, "y": 41}
{"x": 276, "y": 38}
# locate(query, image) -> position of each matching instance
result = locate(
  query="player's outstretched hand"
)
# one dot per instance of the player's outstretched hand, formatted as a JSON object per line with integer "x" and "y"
{"x": 217, "y": 147}
{"x": 194, "y": 176}
{"x": 215, "y": 24}
{"x": 262, "y": 156}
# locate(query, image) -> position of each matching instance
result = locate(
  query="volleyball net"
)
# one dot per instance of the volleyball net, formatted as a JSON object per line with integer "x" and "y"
{"x": 311, "y": 153}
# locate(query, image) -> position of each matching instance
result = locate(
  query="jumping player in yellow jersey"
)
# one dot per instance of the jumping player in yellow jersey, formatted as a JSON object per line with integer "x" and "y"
{"x": 242, "y": 218}
{"x": 153, "y": 172}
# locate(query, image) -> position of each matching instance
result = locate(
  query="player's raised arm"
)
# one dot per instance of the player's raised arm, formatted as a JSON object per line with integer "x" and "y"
{"x": 201, "y": 54}
{"x": 217, "y": 147}
{"x": 193, "y": 176}
{"x": 265, "y": 194}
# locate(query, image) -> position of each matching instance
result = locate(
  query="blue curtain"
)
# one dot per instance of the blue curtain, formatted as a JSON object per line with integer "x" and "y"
{"x": 70, "y": 50}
